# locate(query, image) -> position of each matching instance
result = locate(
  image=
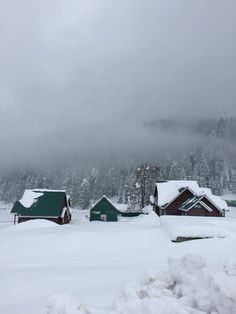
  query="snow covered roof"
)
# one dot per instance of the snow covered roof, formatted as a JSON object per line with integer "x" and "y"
{"x": 217, "y": 200}
{"x": 123, "y": 208}
{"x": 41, "y": 203}
{"x": 29, "y": 198}
{"x": 170, "y": 189}
{"x": 103, "y": 197}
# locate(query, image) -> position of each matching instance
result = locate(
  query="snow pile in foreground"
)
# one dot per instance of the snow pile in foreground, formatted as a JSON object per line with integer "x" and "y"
{"x": 194, "y": 227}
{"x": 65, "y": 303}
{"x": 188, "y": 287}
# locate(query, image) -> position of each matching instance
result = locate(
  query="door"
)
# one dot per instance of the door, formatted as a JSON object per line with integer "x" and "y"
{"x": 103, "y": 217}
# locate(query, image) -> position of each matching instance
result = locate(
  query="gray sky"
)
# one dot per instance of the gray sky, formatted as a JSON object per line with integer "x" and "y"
{"x": 76, "y": 76}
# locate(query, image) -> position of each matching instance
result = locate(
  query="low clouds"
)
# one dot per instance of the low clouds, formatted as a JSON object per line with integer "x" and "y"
{"x": 80, "y": 75}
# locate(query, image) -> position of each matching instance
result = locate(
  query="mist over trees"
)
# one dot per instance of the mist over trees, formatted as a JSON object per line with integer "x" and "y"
{"x": 210, "y": 161}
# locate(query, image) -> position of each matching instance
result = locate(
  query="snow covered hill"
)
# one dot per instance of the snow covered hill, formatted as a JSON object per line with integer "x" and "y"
{"x": 47, "y": 268}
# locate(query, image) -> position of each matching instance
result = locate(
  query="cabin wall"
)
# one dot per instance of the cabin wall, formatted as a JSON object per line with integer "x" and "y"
{"x": 173, "y": 208}
{"x": 203, "y": 212}
{"x": 67, "y": 218}
{"x": 215, "y": 212}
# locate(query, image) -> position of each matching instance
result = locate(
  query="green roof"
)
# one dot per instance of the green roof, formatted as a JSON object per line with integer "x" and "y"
{"x": 104, "y": 205}
{"x": 231, "y": 203}
{"x": 45, "y": 203}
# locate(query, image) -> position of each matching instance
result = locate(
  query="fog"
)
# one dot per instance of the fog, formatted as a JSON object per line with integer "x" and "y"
{"x": 79, "y": 78}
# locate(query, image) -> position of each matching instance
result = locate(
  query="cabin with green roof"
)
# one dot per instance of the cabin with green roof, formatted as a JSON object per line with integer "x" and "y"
{"x": 52, "y": 205}
{"x": 103, "y": 210}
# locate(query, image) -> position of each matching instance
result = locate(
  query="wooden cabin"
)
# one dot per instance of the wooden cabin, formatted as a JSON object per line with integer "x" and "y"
{"x": 186, "y": 198}
{"x": 52, "y": 205}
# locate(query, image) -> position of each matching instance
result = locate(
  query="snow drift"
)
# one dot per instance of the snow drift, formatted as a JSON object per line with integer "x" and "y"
{"x": 34, "y": 224}
{"x": 189, "y": 286}
{"x": 194, "y": 227}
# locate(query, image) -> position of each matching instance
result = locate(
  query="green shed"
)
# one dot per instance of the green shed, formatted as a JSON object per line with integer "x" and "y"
{"x": 231, "y": 203}
{"x": 103, "y": 210}
{"x": 43, "y": 204}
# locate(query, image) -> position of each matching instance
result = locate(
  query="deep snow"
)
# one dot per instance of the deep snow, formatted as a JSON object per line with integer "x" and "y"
{"x": 87, "y": 265}
{"x": 197, "y": 227}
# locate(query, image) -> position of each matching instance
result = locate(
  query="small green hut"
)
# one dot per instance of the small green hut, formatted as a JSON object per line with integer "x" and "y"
{"x": 231, "y": 203}
{"x": 103, "y": 210}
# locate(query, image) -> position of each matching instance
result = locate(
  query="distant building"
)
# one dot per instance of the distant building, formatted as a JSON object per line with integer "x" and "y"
{"x": 186, "y": 198}
{"x": 52, "y": 205}
{"x": 105, "y": 210}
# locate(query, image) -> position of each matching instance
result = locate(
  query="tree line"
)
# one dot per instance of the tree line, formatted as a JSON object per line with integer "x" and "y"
{"x": 211, "y": 162}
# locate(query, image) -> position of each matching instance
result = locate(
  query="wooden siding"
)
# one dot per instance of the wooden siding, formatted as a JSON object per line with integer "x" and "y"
{"x": 173, "y": 208}
{"x": 203, "y": 212}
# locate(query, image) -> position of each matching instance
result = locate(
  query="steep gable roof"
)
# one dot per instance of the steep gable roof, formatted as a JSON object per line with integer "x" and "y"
{"x": 40, "y": 203}
{"x": 192, "y": 202}
{"x": 167, "y": 191}
{"x": 106, "y": 199}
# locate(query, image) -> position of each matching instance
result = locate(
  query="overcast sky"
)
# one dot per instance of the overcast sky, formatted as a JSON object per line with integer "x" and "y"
{"x": 77, "y": 75}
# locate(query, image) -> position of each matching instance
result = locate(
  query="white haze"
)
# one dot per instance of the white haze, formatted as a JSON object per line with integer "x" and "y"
{"x": 79, "y": 78}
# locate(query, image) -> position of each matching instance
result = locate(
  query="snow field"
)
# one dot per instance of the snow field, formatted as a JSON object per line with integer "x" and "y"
{"x": 83, "y": 268}
{"x": 189, "y": 286}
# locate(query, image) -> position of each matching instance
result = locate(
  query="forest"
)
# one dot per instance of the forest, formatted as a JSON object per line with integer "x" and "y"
{"x": 209, "y": 159}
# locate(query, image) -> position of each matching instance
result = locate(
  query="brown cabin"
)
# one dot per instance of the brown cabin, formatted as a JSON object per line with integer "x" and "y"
{"x": 186, "y": 198}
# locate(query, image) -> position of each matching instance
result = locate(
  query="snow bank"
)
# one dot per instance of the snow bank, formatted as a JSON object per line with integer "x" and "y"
{"x": 29, "y": 198}
{"x": 34, "y": 224}
{"x": 147, "y": 209}
{"x": 189, "y": 286}
{"x": 65, "y": 303}
{"x": 194, "y": 227}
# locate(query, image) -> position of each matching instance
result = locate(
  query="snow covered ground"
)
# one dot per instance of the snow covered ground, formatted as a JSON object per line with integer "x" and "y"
{"x": 198, "y": 227}
{"x": 6, "y": 218}
{"x": 85, "y": 267}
